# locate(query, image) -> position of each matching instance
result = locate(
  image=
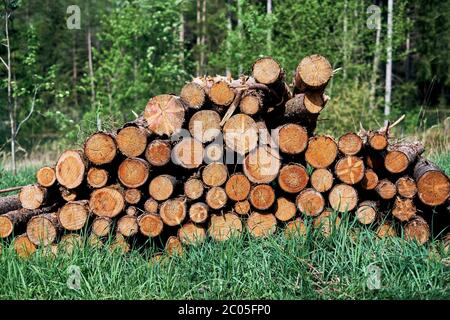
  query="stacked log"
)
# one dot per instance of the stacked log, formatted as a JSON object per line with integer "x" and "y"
{"x": 225, "y": 157}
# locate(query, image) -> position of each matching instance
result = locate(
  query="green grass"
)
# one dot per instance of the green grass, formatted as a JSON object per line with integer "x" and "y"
{"x": 312, "y": 267}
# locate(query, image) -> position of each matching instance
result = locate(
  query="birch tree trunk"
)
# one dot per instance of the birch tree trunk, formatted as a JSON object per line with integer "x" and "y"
{"x": 229, "y": 29}
{"x": 388, "y": 88}
{"x": 203, "y": 42}
{"x": 198, "y": 39}
{"x": 239, "y": 26}
{"x": 269, "y": 30}
{"x": 376, "y": 62}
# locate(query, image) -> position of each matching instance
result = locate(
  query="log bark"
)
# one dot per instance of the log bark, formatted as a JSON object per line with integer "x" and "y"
{"x": 46, "y": 177}
{"x": 293, "y": 178}
{"x": 404, "y": 209}
{"x": 224, "y": 227}
{"x": 193, "y": 188}
{"x": 164, "y": 115}
{"x": 292, "y": 138}
{"x": 350, "y": 169}
{"x": 158, "y": 152}
{"x": 43, "y": 229}
{"x": 240, "y": 133}
{"x": 313, "y": 72}
{"x": 173, "y": 211}
{"x": 74, "y": 215}
{"x": 322, "y": 180}
{"x": 262, "y": 165}
{"x": 215, "y": 174}
{"x": 406, "y": 187}
{"x": 162, "y": 187}
{"x": 191, "y": 234}
{"x": 238, "y": 187}
{"x": 97, "y": 177}
{"x": 9, "y": 203}
{"x": 321, "y": 152}
{"x": 261, "y": 225}
{"x": 310, "y": 202}
{"x": 198, "y": 212}
{"x": 100, "y": 148}
{"x": 188, "y": 153}
{"x": 133, "y": 172}
{"x": 343, "y": 198}
{"x": 33, "y": 196}
{"x": 262, "y": 196}
{"x": 433, "y": 186}
{"x": 71, "y": 168}
{"x": 216, "y": 198}
{"x": 286, "y": 209}
{"x": 367, "y": 212}
{"x": 386, "y": 189}
{"x": 400, "y": 157}
{"x": 204, "y": 125}
{"x": 350, "y": 144}
{"x": 107, "y": 202}
{"x": 417, "y": 229}
{"x": 252, "y": 102}
{"x": 304, "y": 110}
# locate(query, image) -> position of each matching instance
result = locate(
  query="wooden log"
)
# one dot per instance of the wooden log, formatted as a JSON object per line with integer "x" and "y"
{"x": 94, "y": 241}
{"x": 286, "y": 209}
{"x": 401, "y": 156}
{"x": 242, "y": 207}
{"x": 224, "y": 227}
{"x": 215, "y": 174}
{"x": 221, "y": 93}
{"x": 132, "y": 211}
{"x": 327, "y": 222}
{"x": 15, "y": 218}
{"x": 158, "y": 152}
{"x": 132, "y": 139}
{"x": 151, "y": 206}
{"x": 267, "y": 70}
{"x": 374, "y": 160}
{"x": 404, "y": 209}
{"x": 101, "y": 226}
{"x": 214, "y": 153}
{"x": 164, "y": 115}
{"x": 378, "y": 140}
{"x": 343, "y": 198}
{"x": 240, "y": 133}
{"x": 193, "y": 188}
{"x": 204, "y": 125}
{"x": 132, "y": 196}
{"x": 313, "y": 72}
{"x": 68, "y": 194}
{"x": 188, "y": 153}
{"x": 46, "y": 177}
{"x": 33, "y": 196}
{"x": 216, "y": 198}
{"x": 193, "y": 95}
{"x": 433, "y": 186}
{"x": 70, "y": 242}
{"x": 173, "y": 211}
{"x": 367, "y": 212}
{"x": 252, "y": 102}
{"x": 310, "y": 202}
{"x": 133, "y": 172}
{"x": 262, "y": 196}
{"x": 295, "y": 229}
{"x": 322, "y": 180}
{"x": 350, "y": 144}
{"x": 74, "y": 215}
{"x": 417, "y": 229}
{"x": 406, "y": 187}
{"x": 321, "y": 151}
{"x": 350, "y": 169}
{"x": 119, "y": 244}
{"x": 127, "y": 225}
{"x": 304, "y": 109}
{"x": 261, "y": 225}
{"x": 97, "y": 177}
{"x": 370, "y": 180}
{"x": 198, "y": 212}
{"x": 191, "y": 234}
{"x": 43, "y": 229}
{"x": 386, "y": 189}
{"x": 100, "y": 148}
{"x": 386, "y": 230}
{"x": 292, "y": 138}
{"x": 162, "y": 187}
{"x": 70, "y": 169}
{"x": 262, "y": 165}
{"x": 237, "y": 187}
{"x": 9, "y": 203}
{"x": 174, "y": 246}
{"x": 107, "y": 202}
{"x": 23, "y": 247}
{"x": 293, "y": 178}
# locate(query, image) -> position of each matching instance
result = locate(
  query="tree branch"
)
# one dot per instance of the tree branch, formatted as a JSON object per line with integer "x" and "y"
{"x": 3, "y": 61}
{"x": 29, "y": 113}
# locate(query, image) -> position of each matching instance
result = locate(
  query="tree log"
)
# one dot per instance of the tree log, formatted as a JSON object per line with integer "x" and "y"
{"x": 174, "y": 246}
{"x": 313, "y": 72}
{"x": 173, "y": 211}
{"x": 286, "y": 209}
{"x": 133, "y": 172}
{"x": 433, "y": 186}
{"x": 294, "y": 229}
{"x": 261, "y": 225}
{"x": 188, "y": 153}
{"x": 9, "y": 203}
{"x": 240, "y": 133}
{"x": 350, "y": 169}
{"x": 292, "y": 138}
{"x": 267, "y": 71}
{"x": 33, "y": 196}
{"x": 162, "y": 187}
{"x": 23, "y": 247}
{"x": 310, "y": 202}
{"x": 216, "y": 198}
{"x": 417, "y": 229}
{"x": 367, "y": 212}
{"x": 404, "y": 209}
{"x": 400, "y": 157}
{"x": 46, "y": 177}
{"x": 322, "y": 180}
{"x": 321, "y": 151}
{"x": 193, "y": 95}
{"x": 326, "y": 224}
{"x": 386, "y": 230}
{"x": 386, "y": 189}
{"x": 193, "y": 188}
{"x": 132, "y": 139}
{"x": 151, "y": 206}
{"x": 293, "y": 178}
{"x": 127, "y": 225}
{"x": 101, "y": 226}
{"x": 97, "y": 177}
{"x": 370, "y": 180}
{"x": 242, "y": 207}
{"x": 158, "y": 152}
{"x": 74, "y": 215}
{"x": 343, "y": 198}
{"x": 215, "y": 174}
{"x": 350, "y": 144}
{"x": 71, "y": 168}
{"x": 100, "y": 148}
{"x": 204, "y": 125}
{"x": 132, "y": 196}
{"x": 237, "y": 187}
{"x": 262, "y": 165}
{"x": 252, "y": 102}
{"x": 198, "y": 212}
{"x": 262, "y": 196}
{"x": 224, "y": 227}
{"x": 191, "y": 234}
{"x": 43, "y": 229}
{"x": 107, "y": 202}
{"x": 406, "y": 187}
{"x": 164, "y": 115}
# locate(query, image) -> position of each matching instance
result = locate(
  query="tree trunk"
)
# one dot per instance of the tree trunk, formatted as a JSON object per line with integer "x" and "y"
{"x": 343, "y": 198}
{"x": 376, "y": 62}
{"x": 224, "y": 227}
{"x": 310, "y": 202}
{"x": 204, "y": 125}
{"x": 262, "y": 165}
{"x": 162, "y": 187}
{"x": 433, "y": 186}
{"x": 269, "y": 30}
{"x": 198, "y": 212}
{"x": 90, "y": 65}
{"x": 100, "y": 148}
{"x": 237, "y": 187}
{"x": 127, "y": 226}
{"x": 131, "y": 140}
{"x": 262, "y": 197}
{"x": 370, "y": 180}
{"x": 216, "y": 198}
{"x": 43, "y": 229}
{"x": 188, "y": 153}
{"x": 293, "y": 178}
{"x": 46, "y": 176}
{"x": 71, "y": 168}
{"x": 321, "y": 152}
{"x": 101, "y": 226}
{"x": 133, "y": 172}
{"x": 9, "y": 203}
{"x": 322, "y": 180}
{"x": 417, "y": 229}
{"x": 388, "y": 85}
{"x": 350, "y": 144}
{"x": 261, "y": 225}
{"x": 133, "y": 196}
{"x": 350, "y": 169}
{"x": 74, "y": 215}
{"x": 292, "y": 138}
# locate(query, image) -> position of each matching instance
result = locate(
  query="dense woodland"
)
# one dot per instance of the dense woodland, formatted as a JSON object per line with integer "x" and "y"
{"x": 60, "y": 84}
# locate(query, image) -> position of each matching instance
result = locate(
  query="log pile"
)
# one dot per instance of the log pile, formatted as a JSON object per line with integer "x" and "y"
{"x": 229, "y": 155}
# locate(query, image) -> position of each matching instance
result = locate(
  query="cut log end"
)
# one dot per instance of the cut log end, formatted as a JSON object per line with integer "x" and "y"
{"x": 293, "y": 178}
{"x": 350, "y": 144}
{"x": 286, "y": 209}
{"x": 46, "y": 176}
{"x": 295, "y": 229}
{"x": 23, "y": 247}
{"x": 292, "y": 138}
{"x": 378, "y": 140}
{"x": 221, "y": 93}
{"x": 127, "y": 226}
{"x": 262, "y": 196}
{"x": 133, "y": 196}
{"x": 74, "y": 215}
{"x": 97, "y": 178}
{"x": 343, "y": 198}
{"x": 101, "y": 226}
{"x": 266, "y": 70}
{"x": 386, "y": 189}
{"x": 406, "y": 187}
{"x": 238, "y": 187}
{"x": 313, "y": 72}
{"x": 132, "y": 141}
{"x": 100, "y": 148}
{"x": 162, "y": 187}
{"x": 188, "y": 153}
{"x": 107, "y": 202}
{"x": 193, "y": 188}
{"x": 242, "y": 207}
{"x": 6, "y": 226}
{"x": 32, "y": 196}
{"x": 43, "y": 229}
{"x": 321, "y": 152}
{"x": 262, "y": 165}
{"x": 240, "y": 133}
{"x": 322, "y": 180}
{"x": 433, "y": 186}
{"x": 261, "y": 225}
{"x": 404, "y": 209}
{"x": 198, "y": 212}
{"x": 158, "y": 153}
{"x": 173, "y": 211}
{"x": 350, "y": 169}
{"x": 417, "y": 229}
{"x": 216, "y": 198}
{"x": 215, "y": 174}
{"x": 367, "y": 212}
{"x": 193, "y": 95}
{"x": 310, "y": 202}
{"x": 251, "y": 104}
{"x": 164, "y": 115}
{"x": 133, "y": 172}
{"x": 224, "y": 227}
{"x": 191, "y": 234}
{"x": 370, "y": 180}
{"x": 204, "y": 125}
{"x": 150, "y": 225}
{"x": 386, "y": 230}
{"x": 70, "y": 169}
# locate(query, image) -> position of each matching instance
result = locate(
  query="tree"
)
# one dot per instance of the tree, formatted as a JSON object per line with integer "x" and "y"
{"x": 388, "y": 84}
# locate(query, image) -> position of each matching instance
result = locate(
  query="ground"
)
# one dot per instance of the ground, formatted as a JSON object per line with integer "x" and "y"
{"x": 313, "y": 267}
